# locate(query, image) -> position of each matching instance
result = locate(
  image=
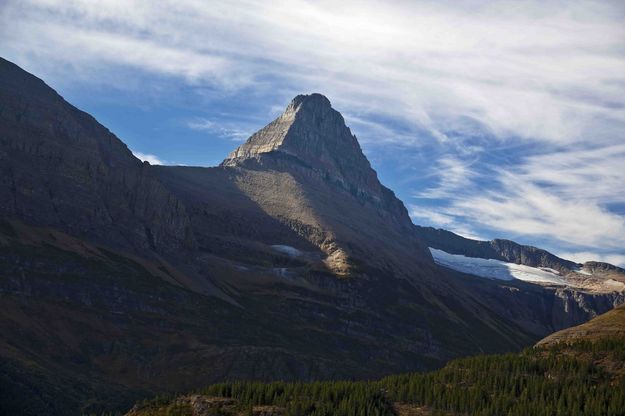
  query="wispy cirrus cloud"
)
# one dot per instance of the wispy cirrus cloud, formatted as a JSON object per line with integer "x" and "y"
{"x": 146, "y": 157}
{"x": 523, "y": 208}
{"x": 592, "y": 173}
{"x": 547, "y": 71}
{"x": 438, "y": 217}
{"x": 222, "y": 129}
{"x": 560, "y": 196}
{"x": 452, "y": 176}
{"x": 513, "y": 113}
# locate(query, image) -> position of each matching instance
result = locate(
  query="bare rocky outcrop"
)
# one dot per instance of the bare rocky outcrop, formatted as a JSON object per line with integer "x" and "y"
{"x": 315, "y": 134}
{"x": 603, "y": 268}
{"x": 586, "y": 280}
{"x": 311, "y": 136}
{"x": 530, "y": 256}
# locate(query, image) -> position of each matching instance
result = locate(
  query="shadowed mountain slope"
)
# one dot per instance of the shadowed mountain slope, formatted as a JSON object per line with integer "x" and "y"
{"x": 60, "y": 168}
{"x": 307, "y": 167}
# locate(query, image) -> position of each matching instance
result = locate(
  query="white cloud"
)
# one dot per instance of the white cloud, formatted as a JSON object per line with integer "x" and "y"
{"x": 376, "y": 133}
{"x": 559, "y": 196}
{"x": 433, "y": 216}
{"x": 526, "y": 209}
{"x": 584, "y": 256}
{"x": 594, "y": 174}
{"x": 230, "y": 131}
{"x": 540, "y": 71}
{"x": 152, "y": 159}
{"x": 438, "y": 218}
{"x": 453, "y": 175}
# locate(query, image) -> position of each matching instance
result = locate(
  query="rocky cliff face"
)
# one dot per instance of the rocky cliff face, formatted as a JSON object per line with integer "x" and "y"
{"x": 315, "y": 134}
{"x": 60, "y": 168}
{"x": 530, "y": 256}
{"x": 588, "y": 278}
{"x": 600, "y": 267}
{"x": 312, "y": 136}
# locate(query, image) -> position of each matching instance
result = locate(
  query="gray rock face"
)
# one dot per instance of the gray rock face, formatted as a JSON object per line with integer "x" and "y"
{"x": 314, "y": 133}
{"x": 572, "y": 307}
{"x": 530, "y": 256}
{"x": 312, "y": 136}
{"x": 60, "y": 168}
{"x": 609, "y": 325}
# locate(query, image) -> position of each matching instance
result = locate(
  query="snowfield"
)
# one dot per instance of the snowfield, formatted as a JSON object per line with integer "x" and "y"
{"x": 496, "y": 269}
{"x": 288, "y": 250}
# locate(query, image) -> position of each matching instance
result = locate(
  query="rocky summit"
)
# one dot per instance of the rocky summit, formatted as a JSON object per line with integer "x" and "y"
{"x": 314, "y": 134}
{"x": 120, "y": 280}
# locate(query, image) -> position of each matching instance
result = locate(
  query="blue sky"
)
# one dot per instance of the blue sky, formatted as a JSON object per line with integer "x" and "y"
{"x": 491, "y": 119}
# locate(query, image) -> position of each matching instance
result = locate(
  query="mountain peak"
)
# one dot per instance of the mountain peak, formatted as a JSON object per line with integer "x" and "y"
{"x": 307, "y": 123}
{"x": 310, "y": 102}
{"x": 314, "y": 134}
{"x": 311, "y": 138}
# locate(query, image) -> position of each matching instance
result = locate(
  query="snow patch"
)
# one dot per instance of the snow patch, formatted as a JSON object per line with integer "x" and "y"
{"x": 288, "y": 250}
{"x": 496, "y": 269}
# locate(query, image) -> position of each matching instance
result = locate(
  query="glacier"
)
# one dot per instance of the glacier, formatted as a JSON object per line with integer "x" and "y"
{"x": 497, "y": 269}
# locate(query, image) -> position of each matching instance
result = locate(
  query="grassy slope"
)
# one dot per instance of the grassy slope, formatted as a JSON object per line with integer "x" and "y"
{"x": 609, "y": 324}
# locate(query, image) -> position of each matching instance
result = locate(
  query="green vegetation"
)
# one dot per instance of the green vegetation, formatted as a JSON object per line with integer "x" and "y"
{"x": 562, "y": 380}
{"x": 584, "y": 378}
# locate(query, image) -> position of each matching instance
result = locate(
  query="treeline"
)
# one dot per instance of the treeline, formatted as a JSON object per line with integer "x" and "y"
{"x": 584, "y": 378}
{"x": 340, "y": 398}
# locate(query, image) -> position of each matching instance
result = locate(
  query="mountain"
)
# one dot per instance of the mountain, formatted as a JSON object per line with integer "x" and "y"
{"x": 306, "y": 169}
{"x": 504, "y": 258}
{"x": 120, "y": 280}
{"x": 498, "y": 249}
{"x": 62, "y": 169}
